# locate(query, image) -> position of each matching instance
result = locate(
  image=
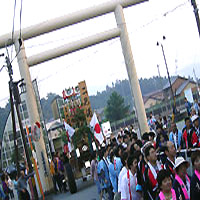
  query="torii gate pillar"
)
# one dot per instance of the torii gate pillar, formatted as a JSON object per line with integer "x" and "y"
{"x": 131, "y": 70}
{"x": 34, "y": 116}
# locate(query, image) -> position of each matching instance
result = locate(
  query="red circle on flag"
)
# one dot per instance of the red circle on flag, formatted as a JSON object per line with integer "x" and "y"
{"x": 97, "y": 128}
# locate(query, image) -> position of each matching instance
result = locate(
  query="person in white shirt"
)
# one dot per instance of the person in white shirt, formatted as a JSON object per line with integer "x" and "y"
{"x": 123, "y": 170}
{"x": 129, "y": 181}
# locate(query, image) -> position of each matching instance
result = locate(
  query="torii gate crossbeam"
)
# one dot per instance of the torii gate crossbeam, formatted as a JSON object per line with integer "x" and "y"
{"x": 66, "y": 20}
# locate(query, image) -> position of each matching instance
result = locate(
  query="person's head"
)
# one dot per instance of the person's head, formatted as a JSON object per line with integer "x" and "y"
{"x": 159, "y": 128}
{"x": 132, "y": 162}
{"x": 150, "y": 153}
{"x": 138, "y": 145}
{"x": 114, "y": 141}
{"x": 125, "y": 139}
{"x": 101, "y": 153}
{"x": 185, "y": 99}
{"x": 164, "y": 180}
{"x": 173, "y": 127}
{"x": 119, "y": 138}
{"x": 112, "y": 156}
{"x": 193, "y": 112}
{"x": 181, "y": 166}
{"x": 162, "y": 138}
{"x": 195, "y": 157}
{"x": 187, "y": 122}
{"x": 134, "y": 137}
{"x": 124, "y": 158}
{"x": 170, "y": 150}
{"x": 119, "y": 150}
{"x": 195, "y": 120}
{"x": 106, "y": 151}
{"x": 151, "y": 136}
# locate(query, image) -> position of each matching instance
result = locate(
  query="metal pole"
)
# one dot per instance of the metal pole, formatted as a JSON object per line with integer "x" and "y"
{"x": 193, "y": 2}
{"x": 131, "y": 69}
{"x": 14, "y": 128}
{"x": 172, "y": 93}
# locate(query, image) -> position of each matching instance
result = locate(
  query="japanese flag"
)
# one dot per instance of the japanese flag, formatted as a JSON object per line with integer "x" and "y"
{"x": 69, "y": 129}
{"x": 69, "y": 132}
{"x": 97, "y": 130}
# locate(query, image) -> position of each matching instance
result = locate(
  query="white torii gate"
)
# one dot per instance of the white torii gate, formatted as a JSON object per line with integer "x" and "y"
{"x": 24, "y": 63}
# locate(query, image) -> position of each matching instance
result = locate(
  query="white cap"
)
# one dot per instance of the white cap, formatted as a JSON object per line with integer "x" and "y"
{"x": 179, "y": 161}
{"x": 194, "y": 117}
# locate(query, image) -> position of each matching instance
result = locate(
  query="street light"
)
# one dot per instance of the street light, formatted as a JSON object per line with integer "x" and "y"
{"x": 22, "y": 87}
{"x": 172, "y": 93}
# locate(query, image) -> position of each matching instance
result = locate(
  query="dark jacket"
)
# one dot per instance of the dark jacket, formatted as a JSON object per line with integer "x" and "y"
{"x": 170, "y": 168}
{"x": 178, "y": 190}
{"x": 195, "y": 188}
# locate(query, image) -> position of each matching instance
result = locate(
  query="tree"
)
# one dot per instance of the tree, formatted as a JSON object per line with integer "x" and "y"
{"x": 116, "y": 108}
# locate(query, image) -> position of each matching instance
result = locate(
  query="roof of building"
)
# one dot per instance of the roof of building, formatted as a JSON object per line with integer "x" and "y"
{"x": 173, "y": 79}
{"x": 152, "y": 95}
{"x": 182, "y": 86}
{"x": 54, "y": 125}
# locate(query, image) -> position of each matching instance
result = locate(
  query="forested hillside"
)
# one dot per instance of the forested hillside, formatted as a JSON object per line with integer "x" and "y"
{"x": 123, "y": 88}
{"x": 99, "y": 100}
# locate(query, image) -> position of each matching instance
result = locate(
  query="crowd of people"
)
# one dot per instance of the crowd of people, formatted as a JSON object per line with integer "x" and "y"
{"x": 130, "y": 167}
{"x": 17, "y": 183}
{"x": 152, "y": 167}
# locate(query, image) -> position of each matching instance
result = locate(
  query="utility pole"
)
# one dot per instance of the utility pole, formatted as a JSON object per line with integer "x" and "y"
{"x": 13, "y": 86}
{"x": 193, "y": 2}
{"x": 170, "y": 84}
{"x": 14, "y": 129}
{"x": 161, "y": 82}
{"x": 197, "y": 84}
{"x": 10, "y": 71}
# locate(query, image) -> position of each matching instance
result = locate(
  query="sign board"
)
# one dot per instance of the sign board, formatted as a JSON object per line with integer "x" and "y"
{"x": 188, "y": 95}
{"x": 106, "y": 128}
{"x": 36, "y": 131}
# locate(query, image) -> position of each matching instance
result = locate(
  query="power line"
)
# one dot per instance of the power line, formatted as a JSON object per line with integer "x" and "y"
{"x": 96, "y": 51}
{"x": 20, "y": 20}
{"x": 13, "y": 27}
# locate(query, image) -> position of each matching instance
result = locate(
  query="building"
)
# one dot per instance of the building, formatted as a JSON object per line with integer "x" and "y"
{"x": 7, "y": 148}
{"x": 153, "y": 98}
{"x": 73, "y": 98}
{"x": 57, "y": 105}
{"x": 55, "y": 130}
{"x": 179, "y": 85}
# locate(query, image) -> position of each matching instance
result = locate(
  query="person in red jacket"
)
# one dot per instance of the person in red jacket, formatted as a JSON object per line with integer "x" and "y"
{"x": 189, "y": 137}
{"x": 150, "y": 175}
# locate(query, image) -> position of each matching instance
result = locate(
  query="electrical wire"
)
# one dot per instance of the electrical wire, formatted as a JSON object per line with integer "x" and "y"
{"x": 20, "y": 30}
{"x": 96, "y": 51}
{"x": 13, "y": 26}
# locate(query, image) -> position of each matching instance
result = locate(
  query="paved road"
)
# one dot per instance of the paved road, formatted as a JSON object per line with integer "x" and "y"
{"x": 86, "y": 191}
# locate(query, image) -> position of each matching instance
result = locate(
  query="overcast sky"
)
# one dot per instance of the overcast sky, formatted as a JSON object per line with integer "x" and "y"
{"x": 103, "y": 64}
